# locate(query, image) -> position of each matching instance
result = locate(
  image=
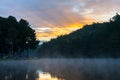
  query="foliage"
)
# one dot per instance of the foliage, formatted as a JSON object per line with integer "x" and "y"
{"x": 16, "y": 36}
{"x": 96, "y": 40}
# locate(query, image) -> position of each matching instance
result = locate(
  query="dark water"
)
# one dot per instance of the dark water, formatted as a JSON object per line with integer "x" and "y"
{"x": 61, "y": 69}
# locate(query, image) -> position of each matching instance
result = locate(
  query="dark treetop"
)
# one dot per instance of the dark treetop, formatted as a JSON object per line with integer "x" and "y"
{"x": 16, "y": 36}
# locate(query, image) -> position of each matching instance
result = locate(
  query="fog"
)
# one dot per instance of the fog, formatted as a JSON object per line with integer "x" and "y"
{"x": 63, "y": 69}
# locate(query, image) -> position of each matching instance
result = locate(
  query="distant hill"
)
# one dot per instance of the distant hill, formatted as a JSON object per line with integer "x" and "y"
{"x": 96, "y": 40}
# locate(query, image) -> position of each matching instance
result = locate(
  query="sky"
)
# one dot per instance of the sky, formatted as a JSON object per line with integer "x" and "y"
{"x": 51, "y": 18}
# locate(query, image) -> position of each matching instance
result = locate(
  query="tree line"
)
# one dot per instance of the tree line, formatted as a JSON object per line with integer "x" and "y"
{"x": 95, "y": 40}
{"x": 16, "y": 36}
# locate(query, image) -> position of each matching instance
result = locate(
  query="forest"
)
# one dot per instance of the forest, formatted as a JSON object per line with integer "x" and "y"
{"x": 95, "y": 40}
{"x": 16, "y": 36}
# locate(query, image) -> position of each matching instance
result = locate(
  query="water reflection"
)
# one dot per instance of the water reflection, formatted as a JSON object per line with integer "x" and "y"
{"x": 46, "y": 76}
{"x": 61, "y": 69}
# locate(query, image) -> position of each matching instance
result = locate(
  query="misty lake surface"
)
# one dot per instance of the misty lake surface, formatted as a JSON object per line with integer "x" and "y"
{"x": 60, "y": 69}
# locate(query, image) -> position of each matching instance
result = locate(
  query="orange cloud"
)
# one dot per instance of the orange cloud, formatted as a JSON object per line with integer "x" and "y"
{"x": 45, "y": 34}
{"x": 52, "y": 18}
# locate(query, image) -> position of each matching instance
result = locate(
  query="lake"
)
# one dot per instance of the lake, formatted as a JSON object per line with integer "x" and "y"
{"x": 60, "y": 69}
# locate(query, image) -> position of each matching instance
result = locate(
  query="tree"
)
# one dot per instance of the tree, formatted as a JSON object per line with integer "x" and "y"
{"x": 95, "y": 40}
{"x": 16, "y": 36}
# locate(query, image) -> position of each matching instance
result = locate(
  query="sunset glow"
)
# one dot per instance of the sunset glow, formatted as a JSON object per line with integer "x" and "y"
{"x": 51, "y": 18}
{"x": 46, "y": 76}
{"x": 45, "y": 34}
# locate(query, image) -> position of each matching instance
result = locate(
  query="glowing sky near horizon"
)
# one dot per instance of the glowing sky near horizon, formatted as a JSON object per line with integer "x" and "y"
{"x": 51, "y": 18}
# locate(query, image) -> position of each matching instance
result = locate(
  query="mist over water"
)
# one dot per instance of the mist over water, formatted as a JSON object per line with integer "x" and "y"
{"x": 60, "y": 69}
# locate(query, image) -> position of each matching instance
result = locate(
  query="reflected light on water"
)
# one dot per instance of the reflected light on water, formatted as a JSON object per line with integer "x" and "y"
{"x": 46, "y": 76}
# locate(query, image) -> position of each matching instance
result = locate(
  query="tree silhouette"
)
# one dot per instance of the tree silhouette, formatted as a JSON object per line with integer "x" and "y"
{"x": 96, "y": 40}
{"x": 16, "y": 36}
